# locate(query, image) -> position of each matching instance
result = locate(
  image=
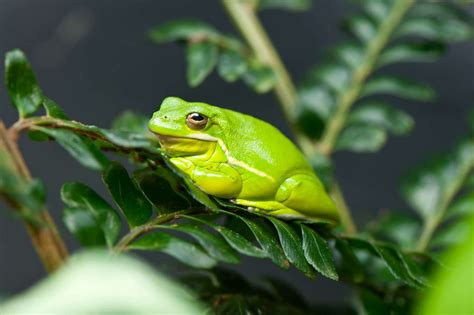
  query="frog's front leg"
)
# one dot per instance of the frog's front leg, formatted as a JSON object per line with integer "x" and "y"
{"x": 216, "y": 179}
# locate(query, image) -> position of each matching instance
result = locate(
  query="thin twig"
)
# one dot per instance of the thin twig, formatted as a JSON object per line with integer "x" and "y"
{"x": 45, "y": 236}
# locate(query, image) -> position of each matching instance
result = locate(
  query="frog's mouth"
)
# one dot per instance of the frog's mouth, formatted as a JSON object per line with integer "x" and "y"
{"x": 189, "y": 145}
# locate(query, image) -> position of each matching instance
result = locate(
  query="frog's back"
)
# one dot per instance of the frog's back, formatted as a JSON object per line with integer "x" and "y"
{"x": 264, "y": 147}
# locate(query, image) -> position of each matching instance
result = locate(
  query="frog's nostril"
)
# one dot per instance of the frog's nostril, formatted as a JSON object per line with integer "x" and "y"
{"x": 165, "y": 117}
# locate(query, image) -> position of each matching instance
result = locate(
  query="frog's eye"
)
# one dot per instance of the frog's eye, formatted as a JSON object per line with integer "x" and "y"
{"x": 196, "y": 121}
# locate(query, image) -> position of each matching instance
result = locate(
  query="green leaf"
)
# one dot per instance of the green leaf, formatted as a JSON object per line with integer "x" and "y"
{"x": 336, "y": 76}
{"x": 133, "y": 203}
{"x": 53, "y": 109}
{"x": 398, "y": 87}
{"x": 131, "y": 122}
{"x": 463, "y": 206}
{"x": 82, "y": 201}
{"x": 349, "y": 53}
{"x": 235, "y": 240}
{"x": 182, "y": 30}
{"x": 411, "y": 52}
{"x": 261, "y": 78}
{"x": 374, "y": 113}
{"x": 348, "y": 262}
{"x": 377, "y": 10}
{"x": 231, "y": 65}
{"x": 441, "y": 29}
{"x": 450, "y": 235}
{"x": 361, "y": 139}
{"x": 291, "y": 244}
{"x": 163, "y": 189}
{"x": 214, "y": 244}
{"x": 80, "y": 147}
{"x": 82, "y": 224}
{"x": 184, "y": 251}
{"x": 324, "y": 168}
{"x": 201, "y": 58}
{"x": 295, "y": 5}
{"x": 398, "y": 228}
{"x": 362, "y": 28}
{"x": 266, "y": 238}
{"x": 317, "y": 252}
{"x": 21, "y": 83}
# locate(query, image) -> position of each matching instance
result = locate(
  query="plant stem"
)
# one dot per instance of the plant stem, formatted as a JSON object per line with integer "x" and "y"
{"x": 242, "y": 12}
{"x": 140, "y": 230}
{"x": 44, "y": 236}
{"x": 430, "y": 225}
{"x": 347, "y": 99}
{"x": 344, "y": 212}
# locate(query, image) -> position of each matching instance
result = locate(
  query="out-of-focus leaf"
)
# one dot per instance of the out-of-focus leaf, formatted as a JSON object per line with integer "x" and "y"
{"x": 398, "y": 87}
{"x": 335, "y": 76}
{"x": 377, "y": 10}
{"x": 186, "y": 252}
{"x": 347, "y": 261}
{"x": 231, "y": 65}
{"x": 266, "y": 239}
{"x": 291, "y": 244}
{"x": 426, "y": 188}
{"x": 399, "y": 228}
{"x": 260, "y": 78}
{"x": 324, "y": 168}
{"x": 93, "y": 282}
{"x": 442, "y": 29}
{"x": 379, "y": 114}
{"x": 371, "y": 304}
{"x": 318, "y": 254}
{"x": 80, "y": 148}
{"x": 21, "y": 83}
{"x": 462, "y": 206}
{"x": 85, "y": 204}
{"x": 236, "y": 240}
{"x": 454, "y": 287}
{"x": 131, "y": 122}
{"x": 362, "y": 28}
{"x": 295, "y": 5}
{"x": 181, "y": 30}
{"x": 411, "y": 52}
{"x": 85, "y": 228}
{"x": 202, "y": 58}
{"x": 361, "y": 139}
{"x": 214, "y": 244}
{"x": 131, "y": 200}
{"x": 162, "y": 189}
{"x": 351, "y": 54}
{"x": 450, "y": 235}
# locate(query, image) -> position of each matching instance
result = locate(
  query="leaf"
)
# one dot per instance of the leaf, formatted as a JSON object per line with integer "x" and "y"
{"x": 398, "y": 228}
{"x": 450, "y": 235}
{"x": 362, "y": 28}
{"x": 81, "y": 223}
{"x": 349, "y": 53}
{"x": 463, "y": 206}
{"x": 336, "y": 76}
{"x": 133, "y": 203}
{"x": 295, "y": 5}
{"x": 131, "y": 122}
{"x": 214, "y": 244}
{"x": 184, "y": 251}
{"x": 324, "y": 168}
{"x": 260, "y": 78}
{"x": 53, "y": 109}
{"x": 379, "y": 114}
{"x": 411, "y": 52}
{"x": 398, "y": 87}
{"x": 80, "y": 147}
{"x": 235, "y": 240}
{"x": 201, "y": 58}
{"x": 291, "y": 244}
{"x": 231, "y": 65}
{"x": 266, "y": 239}
{"x": 181, "y": 30}
{"x": 21, "y": 83}
{"x": 361, "y": 139}
{"x": 163, "y": 189}
{"x": 441, "y": 29}
{"x": 318, "y": 254}
{"x": 82, "y": 201}
{"x": 348, "y": 262}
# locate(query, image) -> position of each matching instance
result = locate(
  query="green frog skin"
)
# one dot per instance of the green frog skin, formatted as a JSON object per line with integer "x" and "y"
{"x": 239, "y": 157}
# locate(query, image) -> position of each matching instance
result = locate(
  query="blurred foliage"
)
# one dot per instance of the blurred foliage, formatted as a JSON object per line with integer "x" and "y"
{"x": 158, "y": 209}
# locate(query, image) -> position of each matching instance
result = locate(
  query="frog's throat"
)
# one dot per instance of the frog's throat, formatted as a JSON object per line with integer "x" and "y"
{"x": 169, "y": 141}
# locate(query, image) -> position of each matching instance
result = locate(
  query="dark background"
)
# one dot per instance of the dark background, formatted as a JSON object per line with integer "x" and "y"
{"x": 92, "y": 57}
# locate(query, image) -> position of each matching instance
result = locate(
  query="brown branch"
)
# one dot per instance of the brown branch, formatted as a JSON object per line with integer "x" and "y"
{"x": 44, "y": 236}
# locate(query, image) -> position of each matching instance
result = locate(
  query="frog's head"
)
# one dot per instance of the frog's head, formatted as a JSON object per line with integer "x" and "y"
{"x": 186, "y": 128}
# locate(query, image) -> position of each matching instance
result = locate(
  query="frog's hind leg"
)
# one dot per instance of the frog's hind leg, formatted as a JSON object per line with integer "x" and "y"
{"x": 306, "y": 195}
